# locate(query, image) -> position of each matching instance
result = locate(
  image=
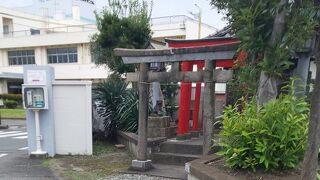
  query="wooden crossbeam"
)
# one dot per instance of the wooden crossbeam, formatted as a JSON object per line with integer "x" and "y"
{"x": 219, "y": 76}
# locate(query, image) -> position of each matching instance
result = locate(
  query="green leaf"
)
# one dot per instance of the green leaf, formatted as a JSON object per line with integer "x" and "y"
{"x": 262, "y": 159}
{"x": 266, "y": 163}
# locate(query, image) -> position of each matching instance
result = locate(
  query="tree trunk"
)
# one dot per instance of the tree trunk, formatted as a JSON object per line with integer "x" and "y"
{"x": 267, "y": 89}
{"x": 310, "y": 162}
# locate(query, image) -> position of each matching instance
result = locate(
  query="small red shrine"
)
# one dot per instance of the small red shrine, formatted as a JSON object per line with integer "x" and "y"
{"x": 186, "y": 87}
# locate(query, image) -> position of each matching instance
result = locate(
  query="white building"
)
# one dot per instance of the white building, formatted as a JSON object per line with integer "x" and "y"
{"x": 63, "y": 43}
{"x": 179, "y": 27}
{"x": 62, "y": 40}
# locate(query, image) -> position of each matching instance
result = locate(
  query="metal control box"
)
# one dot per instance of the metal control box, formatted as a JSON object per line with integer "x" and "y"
{"x": 35, "y": 96}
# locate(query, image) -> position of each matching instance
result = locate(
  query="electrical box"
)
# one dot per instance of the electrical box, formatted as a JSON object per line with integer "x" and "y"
{"x": 35, "y": 96}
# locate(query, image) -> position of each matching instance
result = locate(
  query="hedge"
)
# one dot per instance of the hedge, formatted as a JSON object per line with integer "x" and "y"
{"x": 16, "y": 97}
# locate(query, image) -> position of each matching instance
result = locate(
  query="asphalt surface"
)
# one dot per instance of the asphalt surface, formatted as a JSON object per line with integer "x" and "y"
{"x": 15, "y": 163}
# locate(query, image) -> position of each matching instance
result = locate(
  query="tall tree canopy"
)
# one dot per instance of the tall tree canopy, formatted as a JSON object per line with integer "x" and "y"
{"x": 122, "y": 24}
{"x": 270, "y": 31}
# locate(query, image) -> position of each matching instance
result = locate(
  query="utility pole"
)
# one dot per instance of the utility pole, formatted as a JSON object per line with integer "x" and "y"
{"x": 199, "y": 20}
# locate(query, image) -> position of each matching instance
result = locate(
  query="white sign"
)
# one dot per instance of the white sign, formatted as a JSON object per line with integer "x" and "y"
{"x": 36, "y": 77}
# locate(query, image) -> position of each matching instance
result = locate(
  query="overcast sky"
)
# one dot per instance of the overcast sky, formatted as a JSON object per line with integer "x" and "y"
{"x": 160, "y": 8}
{"x": 183, "y": 7}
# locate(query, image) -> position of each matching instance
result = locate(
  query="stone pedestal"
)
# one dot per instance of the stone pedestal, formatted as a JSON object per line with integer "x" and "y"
{"x": 161, "y": 127}
{"x": 141, "y": 165}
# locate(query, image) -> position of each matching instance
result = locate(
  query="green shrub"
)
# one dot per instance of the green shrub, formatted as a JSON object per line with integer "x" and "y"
{"x": 10, "y": 104}
{"x": 16, "y": 97}
{"x": 117, "y": 105}
{"x": 269, "y": 137}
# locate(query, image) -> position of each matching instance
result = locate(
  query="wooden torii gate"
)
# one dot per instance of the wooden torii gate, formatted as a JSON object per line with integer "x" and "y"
{"x": 209, "y": 76}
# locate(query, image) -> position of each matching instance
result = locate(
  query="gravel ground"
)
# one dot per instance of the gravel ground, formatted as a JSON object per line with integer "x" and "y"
{"x": 134, "y": 177}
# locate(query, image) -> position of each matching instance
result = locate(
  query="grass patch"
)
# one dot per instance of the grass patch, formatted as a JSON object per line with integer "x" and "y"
{"x": 46, "y": 163}
{"x": 13, "y": 113}
{"x": 106, "y": 160}
{"x": 103, "y": 147}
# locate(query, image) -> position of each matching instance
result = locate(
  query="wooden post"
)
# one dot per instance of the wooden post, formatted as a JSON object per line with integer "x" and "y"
{"x": 143, "y": 112}
{"x": 209, "y": 106}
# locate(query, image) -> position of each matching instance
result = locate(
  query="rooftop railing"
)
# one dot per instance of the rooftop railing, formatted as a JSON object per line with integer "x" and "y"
{"x": 169, "y": 20}
{"x": 51, "y": 30}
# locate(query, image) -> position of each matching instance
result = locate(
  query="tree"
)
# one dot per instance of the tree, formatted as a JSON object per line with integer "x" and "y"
{"x": 310, "y": 162}
{"x": 269, "y": 31}
{"x": 122, "y": 24}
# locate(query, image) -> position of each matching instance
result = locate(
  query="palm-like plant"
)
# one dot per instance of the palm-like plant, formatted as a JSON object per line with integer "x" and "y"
{"x": 107, "y": 96}
{"x": 117, "y": 105}
{"x": 128, "y": 112}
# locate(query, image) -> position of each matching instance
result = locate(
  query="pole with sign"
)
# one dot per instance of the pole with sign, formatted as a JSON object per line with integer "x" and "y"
{"x": 35, "y": 98}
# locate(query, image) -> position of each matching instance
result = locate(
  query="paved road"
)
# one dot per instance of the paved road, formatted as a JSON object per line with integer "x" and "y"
{"x": 15, "y": 163}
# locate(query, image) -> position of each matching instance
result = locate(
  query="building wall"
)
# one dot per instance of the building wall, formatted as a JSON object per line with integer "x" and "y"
{"x": 192, "y": 28}
{"x": 161, "y": 31}
{"x": 52, "y": 34}
{"x": 178, "y": 27}
{"x": 3, "y": 86}
{"x": 21, "y": 22}
{"x": 84, "y": 69}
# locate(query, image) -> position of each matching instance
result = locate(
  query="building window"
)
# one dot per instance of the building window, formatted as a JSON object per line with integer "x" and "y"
{"x": 5, "y": 29}
{"x": 62, "y": 55}
{"x": 14, "y": 87}
{"x": 21, "y": 57}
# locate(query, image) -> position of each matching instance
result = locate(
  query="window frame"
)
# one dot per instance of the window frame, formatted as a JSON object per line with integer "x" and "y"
{"x": 21, "y": 57}
{"x": 62, "y": 55}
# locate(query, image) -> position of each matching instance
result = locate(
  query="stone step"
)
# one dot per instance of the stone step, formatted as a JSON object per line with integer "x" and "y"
{"x": 173, "y": 158}
{"x": 181, "y": 148}
{"x": 168, "y": 132}
{"x": 159, "y": 122}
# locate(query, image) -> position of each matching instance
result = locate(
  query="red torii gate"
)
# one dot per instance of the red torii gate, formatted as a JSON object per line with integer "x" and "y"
{"x": 185, "y": 91}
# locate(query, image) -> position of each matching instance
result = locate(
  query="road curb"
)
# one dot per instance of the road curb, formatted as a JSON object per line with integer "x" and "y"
{"x": 10, "y": 118}
{"x": 4, "y": 126}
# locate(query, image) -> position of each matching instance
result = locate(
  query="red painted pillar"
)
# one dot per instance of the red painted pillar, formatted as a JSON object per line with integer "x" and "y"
{"x": 196, "y": 108}
{"x": 188, "y": 102}
{"x": 185, "y": 98}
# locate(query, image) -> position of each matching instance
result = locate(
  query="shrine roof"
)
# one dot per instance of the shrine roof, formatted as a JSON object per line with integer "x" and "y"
{"x": 207, "y": 39}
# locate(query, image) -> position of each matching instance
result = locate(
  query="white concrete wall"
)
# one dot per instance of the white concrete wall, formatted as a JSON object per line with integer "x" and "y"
{"x": 54, "y": 39}
{"x": 192, "y": 28}
{"x": 23, "y": 22}
{"x": 3, "y": 86}
{"x": 72, "y": 117}
{"x": 179, "y": 26}
{"x": 168, "y": 30}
